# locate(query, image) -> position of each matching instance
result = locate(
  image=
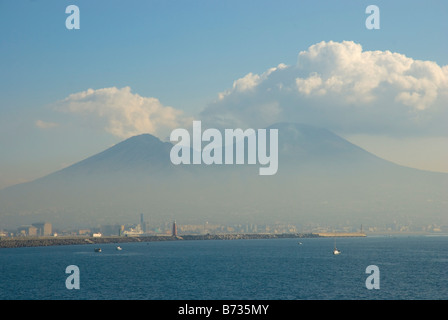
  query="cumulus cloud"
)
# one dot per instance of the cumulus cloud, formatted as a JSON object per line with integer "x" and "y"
{"x": 340, "y": 86}
{"x": 123, "y": 113}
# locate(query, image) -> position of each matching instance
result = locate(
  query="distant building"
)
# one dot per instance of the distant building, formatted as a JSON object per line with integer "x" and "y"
{"x": 43, "y": 228}
{"x": 144, "y": 225}
{"x": 132, "y": 232}
{"x": 110, "y": 230}
{"x": 84, "y": 231}
{"x": 174, "y": 229}
{"x": 27, "y": 231}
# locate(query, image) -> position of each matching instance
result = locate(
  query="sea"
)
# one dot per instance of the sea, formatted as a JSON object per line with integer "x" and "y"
{"x": 405, "y": 268}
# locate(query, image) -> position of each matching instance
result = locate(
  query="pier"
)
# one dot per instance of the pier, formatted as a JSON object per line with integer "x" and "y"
{"x": 78, "y": 240}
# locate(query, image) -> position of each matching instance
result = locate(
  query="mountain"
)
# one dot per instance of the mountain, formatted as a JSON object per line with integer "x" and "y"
{"x": 321, "y": 178}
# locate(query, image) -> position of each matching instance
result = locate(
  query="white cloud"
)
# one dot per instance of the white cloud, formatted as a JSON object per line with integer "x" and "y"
{"x": 249, "y": 81}
{"x": 45, "y": 125}
{"x": 123, "y": 113}
{"x": 313, "y": 82}
{"x": 339, "y": 86}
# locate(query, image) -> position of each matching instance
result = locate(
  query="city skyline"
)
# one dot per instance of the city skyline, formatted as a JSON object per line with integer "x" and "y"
{"x": 172, "y": 228}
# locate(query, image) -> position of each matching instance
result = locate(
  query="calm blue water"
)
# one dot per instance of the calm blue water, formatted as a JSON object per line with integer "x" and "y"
{"x": 278, "y": 269}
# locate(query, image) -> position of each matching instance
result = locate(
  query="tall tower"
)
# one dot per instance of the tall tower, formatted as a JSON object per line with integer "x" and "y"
{"x": 174, "y": 229}
{"x": 144, "y": 225}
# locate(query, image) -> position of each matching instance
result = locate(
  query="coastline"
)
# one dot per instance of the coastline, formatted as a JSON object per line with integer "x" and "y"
{"x": 79, "y": 240}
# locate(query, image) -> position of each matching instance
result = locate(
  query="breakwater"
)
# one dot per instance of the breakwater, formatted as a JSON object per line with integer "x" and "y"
{"x": 341, "y": 234}
{"x": 79, "y": 240}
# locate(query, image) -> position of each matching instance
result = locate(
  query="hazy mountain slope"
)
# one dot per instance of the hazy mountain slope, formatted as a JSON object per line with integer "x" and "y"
{"x": 321, "y": 178}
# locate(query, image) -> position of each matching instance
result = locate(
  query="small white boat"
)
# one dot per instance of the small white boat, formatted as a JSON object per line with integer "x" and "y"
{"x": 119, "y": 248}
{"x": 335, "y": 250}
{"x": 97, "y": 249}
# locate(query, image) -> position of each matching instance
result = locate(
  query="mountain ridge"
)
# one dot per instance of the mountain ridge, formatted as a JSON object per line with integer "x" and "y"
{"x": 320, "y": 176}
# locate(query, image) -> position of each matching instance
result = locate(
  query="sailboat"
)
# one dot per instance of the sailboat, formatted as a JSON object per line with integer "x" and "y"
{"x": 335, "y": 250}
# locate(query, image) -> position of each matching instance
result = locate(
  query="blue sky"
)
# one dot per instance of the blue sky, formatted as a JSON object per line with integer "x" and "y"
{"x": 183, "y": 53}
